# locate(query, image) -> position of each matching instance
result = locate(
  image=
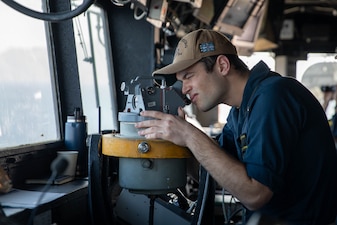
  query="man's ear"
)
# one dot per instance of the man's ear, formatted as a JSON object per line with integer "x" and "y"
{"x": 223, "y": 64}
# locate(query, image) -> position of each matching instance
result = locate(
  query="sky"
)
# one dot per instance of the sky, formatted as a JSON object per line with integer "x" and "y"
{"x": 12, "y": 21}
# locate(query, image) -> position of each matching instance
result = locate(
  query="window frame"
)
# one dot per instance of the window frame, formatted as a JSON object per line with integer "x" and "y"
{"x": 31, "y": 147}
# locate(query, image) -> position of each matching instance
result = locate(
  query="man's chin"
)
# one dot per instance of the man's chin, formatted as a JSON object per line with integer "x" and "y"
{"x": 204, "y": 109}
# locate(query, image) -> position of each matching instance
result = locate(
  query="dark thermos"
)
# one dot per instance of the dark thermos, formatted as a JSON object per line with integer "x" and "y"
{"x": 75, "y": 140}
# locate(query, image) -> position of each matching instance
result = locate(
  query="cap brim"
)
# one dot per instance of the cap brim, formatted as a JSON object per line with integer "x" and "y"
{"x": 170, "y": 70}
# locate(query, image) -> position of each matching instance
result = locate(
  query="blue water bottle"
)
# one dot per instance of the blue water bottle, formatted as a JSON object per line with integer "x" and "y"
{"x": 75, "y": 140}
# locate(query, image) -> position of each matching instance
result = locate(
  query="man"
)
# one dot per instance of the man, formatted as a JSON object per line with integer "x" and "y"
{"x": 276, "y": 153}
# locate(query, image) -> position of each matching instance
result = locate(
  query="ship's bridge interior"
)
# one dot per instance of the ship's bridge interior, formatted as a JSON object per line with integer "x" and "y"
{"x": 74, "y": 76}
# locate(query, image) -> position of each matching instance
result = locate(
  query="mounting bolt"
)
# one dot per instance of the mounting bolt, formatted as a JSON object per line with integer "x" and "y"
{"x": 147, "y": 164}
{"x": 143, "y": 147}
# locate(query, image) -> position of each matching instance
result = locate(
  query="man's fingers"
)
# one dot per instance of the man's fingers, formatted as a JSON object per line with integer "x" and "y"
{"x": 153, "y": 114}
{"x": 150, "y": 133}
{"x": 146, "y": 123}
{"x": 181, "y": 112}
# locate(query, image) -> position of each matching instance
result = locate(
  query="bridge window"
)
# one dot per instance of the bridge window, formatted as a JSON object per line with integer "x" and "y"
{"x": 27, "y": 101}
{"x": 96, "y": 70}
{"x": 317, "y": 72}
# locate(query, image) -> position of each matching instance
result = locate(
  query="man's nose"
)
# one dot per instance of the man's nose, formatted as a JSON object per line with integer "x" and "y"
{"x": 185, "y": 89}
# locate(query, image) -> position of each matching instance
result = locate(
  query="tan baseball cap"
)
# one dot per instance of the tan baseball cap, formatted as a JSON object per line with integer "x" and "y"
{"x": 193, "y": 47}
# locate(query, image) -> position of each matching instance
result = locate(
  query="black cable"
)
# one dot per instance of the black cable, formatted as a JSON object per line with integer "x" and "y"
{"x": 204, "y": 211}
{"x": 151, "y": 210}
{"x": 58, "y": 166}
{"x": 52, "y": 17}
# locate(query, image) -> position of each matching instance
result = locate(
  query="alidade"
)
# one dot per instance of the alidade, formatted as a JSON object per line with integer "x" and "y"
{"x": 147, "y": 166}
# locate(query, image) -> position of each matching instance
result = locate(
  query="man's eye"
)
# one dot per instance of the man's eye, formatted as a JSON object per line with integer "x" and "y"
{"x": 188, "y": 76}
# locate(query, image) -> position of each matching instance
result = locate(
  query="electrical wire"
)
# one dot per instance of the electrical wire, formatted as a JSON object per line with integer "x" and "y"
{"x": 58, "y": 166}
{"x": 44, "y": 191}
{"x": 52, "y": 17}
{"x": 224, "y": 211}
{"x": 81, "y": 40}
{"x": 120, "y": 2}
{"x": 203, "y": 203}
{"x": 140, "y": 16}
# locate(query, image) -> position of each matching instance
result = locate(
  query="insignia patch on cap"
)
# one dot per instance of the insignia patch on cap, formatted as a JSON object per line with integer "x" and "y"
{"x": 207, "y": 47}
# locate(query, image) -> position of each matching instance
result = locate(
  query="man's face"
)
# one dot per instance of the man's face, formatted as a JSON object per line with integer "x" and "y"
{"x": 205, "y": 89}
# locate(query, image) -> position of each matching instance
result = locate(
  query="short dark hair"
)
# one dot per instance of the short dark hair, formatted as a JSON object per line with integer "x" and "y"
{"x": 234, "y": 60}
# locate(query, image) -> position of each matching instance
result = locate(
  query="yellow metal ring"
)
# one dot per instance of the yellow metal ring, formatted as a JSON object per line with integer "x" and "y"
{"x": 114, "y": 145}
